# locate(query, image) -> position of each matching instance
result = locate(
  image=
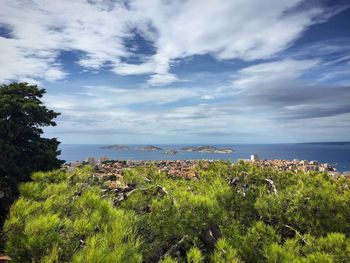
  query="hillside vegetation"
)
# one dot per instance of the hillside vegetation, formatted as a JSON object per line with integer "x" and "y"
{"x": 228, "y": 213}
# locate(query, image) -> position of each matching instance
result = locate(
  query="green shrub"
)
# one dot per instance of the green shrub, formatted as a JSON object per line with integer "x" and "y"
{"x": 227, "y": 213}
{"x": 224, "y": 252}
{"x": 61, "y": 217}
{"x": 194, "y": 255}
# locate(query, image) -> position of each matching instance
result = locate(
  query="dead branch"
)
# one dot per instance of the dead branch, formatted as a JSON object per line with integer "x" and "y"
{"x": 124, "y": 193}
{"x": 161, "y": 190}
{"x": 147, "y": 180}
{"x": 296, "y": 232}
{"x": 233, "y": 181}
{"x": 272, "y": 186}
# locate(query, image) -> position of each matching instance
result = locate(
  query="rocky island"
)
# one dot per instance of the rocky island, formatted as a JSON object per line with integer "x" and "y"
{"x": 150, "y": 148}
{"x": 116, "y": 147}
{"x": 207, "y": 149}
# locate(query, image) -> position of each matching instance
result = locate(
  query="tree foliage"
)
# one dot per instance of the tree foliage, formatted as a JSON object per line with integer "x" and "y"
{"x": 22, "y": 116}
{"x": 22, "y": 149}
{"x": 227, "y": 213}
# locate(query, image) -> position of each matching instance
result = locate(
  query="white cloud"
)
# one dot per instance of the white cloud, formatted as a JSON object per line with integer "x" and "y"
{"x": 89, "y": 118}
{"x": 99, "y": 98}
{"x": 133, "y": 69}
{"x": 159, "y": 79}
{"x": 207, "y": 97}
{"x": 260, "y": 74}
{"x": 42, "y": 29}
{"x": 285, "y": 108}
{"x": 280, "y": 91}
{"x": 16, "y": 63}
{"x": 246, "y": 30}
{"x": 53, "y": 74}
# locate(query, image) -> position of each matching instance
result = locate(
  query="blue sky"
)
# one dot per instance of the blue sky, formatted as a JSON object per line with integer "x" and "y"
{"x": 186, "y": 71}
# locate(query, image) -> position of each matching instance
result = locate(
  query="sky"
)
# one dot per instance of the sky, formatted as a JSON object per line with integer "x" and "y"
{"x": 184, "y": 71}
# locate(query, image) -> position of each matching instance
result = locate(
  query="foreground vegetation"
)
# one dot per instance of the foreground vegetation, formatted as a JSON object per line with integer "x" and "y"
{"x": 228, "y": 213}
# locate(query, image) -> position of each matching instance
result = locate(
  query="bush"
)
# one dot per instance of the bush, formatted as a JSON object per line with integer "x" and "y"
{"x": 62, "y": 218}
{"x": 228, "y": 213}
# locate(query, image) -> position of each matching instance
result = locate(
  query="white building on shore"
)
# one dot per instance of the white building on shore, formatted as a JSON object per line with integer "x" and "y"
{"x": 254, "y": 157}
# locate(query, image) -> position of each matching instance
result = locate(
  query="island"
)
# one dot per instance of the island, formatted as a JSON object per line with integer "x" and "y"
{"x": 207, "y": 149}
{"x": 116, "y": 147}
{"x": 151, "y": 148}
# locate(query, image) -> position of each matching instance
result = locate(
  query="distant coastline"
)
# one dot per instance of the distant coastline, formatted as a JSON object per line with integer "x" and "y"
{"x": 334, "y": 153}
{"x": 326, "y": 143}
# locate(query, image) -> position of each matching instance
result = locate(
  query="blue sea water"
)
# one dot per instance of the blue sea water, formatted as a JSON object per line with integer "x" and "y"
{"x": 335, "y": 154}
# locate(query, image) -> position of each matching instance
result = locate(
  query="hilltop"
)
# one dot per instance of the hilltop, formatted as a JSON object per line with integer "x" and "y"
{"x": 217, "y": 212}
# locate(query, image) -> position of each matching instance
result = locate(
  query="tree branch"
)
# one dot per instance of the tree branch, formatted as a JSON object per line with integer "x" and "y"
{"x": 272, "y": 186}
{"x": 174, "y": 248}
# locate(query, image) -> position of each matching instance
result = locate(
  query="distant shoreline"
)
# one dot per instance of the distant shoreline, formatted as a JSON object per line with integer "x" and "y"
{"x": 325, "y": 143}
{"x": 336, "y": 155}
{"x": 212, "y": 144}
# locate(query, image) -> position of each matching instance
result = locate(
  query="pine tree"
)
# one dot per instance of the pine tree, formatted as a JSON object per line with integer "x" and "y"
{"x": 22, "y": 149}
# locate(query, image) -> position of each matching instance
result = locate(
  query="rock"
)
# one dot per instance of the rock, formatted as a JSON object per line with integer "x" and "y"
{"x": 171, "y": 152}
{"x": 4, "y": 258}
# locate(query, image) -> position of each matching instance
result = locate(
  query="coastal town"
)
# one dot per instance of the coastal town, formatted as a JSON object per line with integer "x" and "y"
{"x": 186, "y": 168}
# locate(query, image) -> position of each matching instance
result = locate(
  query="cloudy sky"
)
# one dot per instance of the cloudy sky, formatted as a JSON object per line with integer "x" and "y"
{"x": 185, "y": 71}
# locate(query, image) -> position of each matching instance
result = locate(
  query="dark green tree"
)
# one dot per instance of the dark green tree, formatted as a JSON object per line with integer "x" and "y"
{"x": 22, "y": 149}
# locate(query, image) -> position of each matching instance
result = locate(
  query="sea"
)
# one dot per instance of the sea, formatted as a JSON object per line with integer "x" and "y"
{"x": 336, "y": 154}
